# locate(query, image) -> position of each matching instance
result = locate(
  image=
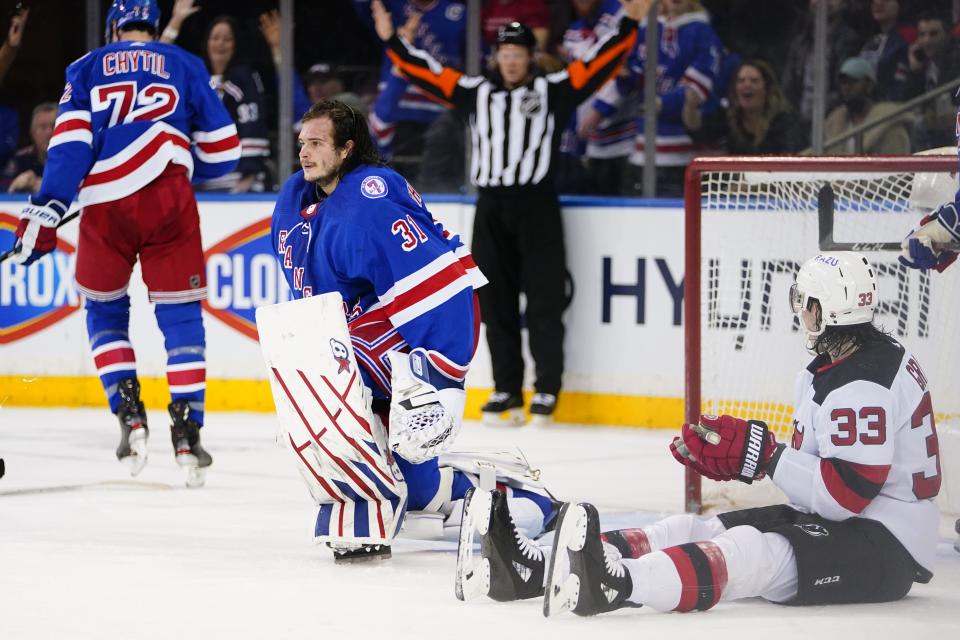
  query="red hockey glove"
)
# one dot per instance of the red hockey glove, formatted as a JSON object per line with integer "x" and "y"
{"x": 680, "y": 453}
{"x": 730, "y": 448}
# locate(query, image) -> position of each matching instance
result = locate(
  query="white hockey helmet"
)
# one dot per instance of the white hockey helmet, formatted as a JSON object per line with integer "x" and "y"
{"x": 930, "y": 190}
{"x": 844, "y": 284}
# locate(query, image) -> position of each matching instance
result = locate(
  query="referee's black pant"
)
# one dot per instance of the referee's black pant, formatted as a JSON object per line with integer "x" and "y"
{"x": 518, "y": 244}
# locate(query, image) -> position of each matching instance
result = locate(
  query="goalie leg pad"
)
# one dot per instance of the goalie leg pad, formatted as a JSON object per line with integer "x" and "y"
{"x": 339, "y": 446}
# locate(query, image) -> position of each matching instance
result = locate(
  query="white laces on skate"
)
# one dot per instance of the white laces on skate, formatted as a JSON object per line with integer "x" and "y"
{"x": 613, "y": 559}
{"x": 498, "y": 396}
{"x": 529, "y": 549}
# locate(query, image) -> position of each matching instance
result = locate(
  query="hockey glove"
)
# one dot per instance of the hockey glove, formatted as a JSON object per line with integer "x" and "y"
{"x": 680, "y": 452}
{"x": 37, "y": 232}
{"x": 729, "y": 448}
{"x": 934, "y": 243}
{"x": 426, "y": 409}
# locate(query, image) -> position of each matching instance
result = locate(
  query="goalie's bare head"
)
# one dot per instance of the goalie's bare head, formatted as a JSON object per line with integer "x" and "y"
{"x": 131, "y": 15}
{"x": 835, "y": 297}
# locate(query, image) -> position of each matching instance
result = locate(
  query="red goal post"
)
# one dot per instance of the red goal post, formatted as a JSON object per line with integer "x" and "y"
{"x": 760, "y": 215}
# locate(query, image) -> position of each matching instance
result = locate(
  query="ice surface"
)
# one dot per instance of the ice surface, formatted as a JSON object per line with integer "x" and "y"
{"x": 88, "y": 552}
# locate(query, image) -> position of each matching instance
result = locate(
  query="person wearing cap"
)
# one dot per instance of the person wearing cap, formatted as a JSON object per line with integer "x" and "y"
{"x": 858, "y": 82}
{"x": 516, "y": 118}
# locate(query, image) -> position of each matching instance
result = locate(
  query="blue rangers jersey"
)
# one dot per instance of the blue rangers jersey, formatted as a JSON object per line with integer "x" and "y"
{"x": 405, "y": 281}
{"x": 442, "y": 34}
{"x": 127, "y": 111}
{"x": 689, "y": 56}
{"x": 241, "y": 91}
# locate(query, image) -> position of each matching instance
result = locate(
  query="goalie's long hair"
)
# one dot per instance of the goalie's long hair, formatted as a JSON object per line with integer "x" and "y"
{"x": 348, "y": 124}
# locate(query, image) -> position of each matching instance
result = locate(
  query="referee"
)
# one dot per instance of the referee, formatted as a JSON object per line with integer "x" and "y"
{"x": 516, "y": 119}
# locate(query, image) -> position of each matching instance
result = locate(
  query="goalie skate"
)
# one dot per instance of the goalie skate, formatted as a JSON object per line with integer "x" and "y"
{"x": 510, "y": 567}
{"x": 132, "y": 450}
{"x": 586, "y": 574}
{"x": 356, "y": 554}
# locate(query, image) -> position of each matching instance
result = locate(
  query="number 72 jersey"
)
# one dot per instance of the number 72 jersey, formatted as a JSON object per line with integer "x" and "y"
{"x": 127, "y": 111}
{"x": 865, "y": 444}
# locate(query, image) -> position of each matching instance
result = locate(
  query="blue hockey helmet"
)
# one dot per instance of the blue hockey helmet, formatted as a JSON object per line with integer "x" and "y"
{"x": 123, "y": 13}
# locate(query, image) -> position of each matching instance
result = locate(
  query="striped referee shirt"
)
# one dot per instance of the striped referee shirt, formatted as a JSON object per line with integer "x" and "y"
{"x": 516, "y": 132}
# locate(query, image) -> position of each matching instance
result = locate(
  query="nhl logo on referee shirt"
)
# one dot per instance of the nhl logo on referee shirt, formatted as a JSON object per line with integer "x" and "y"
{"x": 373, "y": 187}
{"x": 530, "y": 104}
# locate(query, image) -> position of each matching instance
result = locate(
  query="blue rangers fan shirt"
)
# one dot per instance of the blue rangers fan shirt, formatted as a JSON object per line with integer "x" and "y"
{"x": 405, "y": 281}
{"x": 127, "y": 111}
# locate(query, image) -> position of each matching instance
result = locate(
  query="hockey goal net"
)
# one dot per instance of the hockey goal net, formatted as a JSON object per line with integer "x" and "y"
{"x": 750, "y": 224}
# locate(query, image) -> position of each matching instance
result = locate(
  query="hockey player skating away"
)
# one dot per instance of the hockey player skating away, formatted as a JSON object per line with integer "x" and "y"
{"x": 348, "y": 224}
{"x": 861, "y": 473}
{"x": 137, "y": 119}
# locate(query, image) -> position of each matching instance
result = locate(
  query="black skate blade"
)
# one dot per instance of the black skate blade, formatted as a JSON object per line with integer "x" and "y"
{"x": 362, "y": 555}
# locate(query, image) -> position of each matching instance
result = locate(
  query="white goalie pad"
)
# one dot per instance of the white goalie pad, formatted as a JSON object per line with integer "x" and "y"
{"x": 323, "y": 408}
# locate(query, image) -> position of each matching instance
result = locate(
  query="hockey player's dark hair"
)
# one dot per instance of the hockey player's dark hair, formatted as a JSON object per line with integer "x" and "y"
{"x": 840, "y": 338}
{"x": 348, "y": 124}
{"x": 234, "y": 25}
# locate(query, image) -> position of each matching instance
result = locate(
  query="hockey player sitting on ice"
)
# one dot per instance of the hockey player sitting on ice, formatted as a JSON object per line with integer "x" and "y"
{"x": 349, "y": 224}
{"x": 861, "y": 473}
{"x": 137, "y": 121}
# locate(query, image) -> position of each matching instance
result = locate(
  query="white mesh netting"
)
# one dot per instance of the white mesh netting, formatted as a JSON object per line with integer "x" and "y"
{"x": 757, "y": 228}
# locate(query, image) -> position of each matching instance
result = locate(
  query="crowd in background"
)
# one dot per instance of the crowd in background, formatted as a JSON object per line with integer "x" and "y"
{"x": 734, "y": 77}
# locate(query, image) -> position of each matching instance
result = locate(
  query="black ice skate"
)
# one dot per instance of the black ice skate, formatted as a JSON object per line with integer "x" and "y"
{"x": 132, "y": 450}
{"x": 185, "y": 433}
{"x": 503, "y": 409}
{"x": 359, "y": 553}
{"x": 586, "y": 574}
{"x": 542, "y": 406}
{"x": 511, "y": 566}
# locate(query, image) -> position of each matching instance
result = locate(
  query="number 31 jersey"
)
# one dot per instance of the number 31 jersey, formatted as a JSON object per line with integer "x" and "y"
{"x": 127, "y": 111}
{"x": 865, "y": 444}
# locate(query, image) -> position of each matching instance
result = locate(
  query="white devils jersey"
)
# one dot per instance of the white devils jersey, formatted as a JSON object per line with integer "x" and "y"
{"x": 865, "y": 444}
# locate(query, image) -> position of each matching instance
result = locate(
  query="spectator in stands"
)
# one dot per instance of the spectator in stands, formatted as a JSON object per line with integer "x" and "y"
{"x": 25, "y": 169}
{"x": 689, "y": 57}
{"x": 533, "y": 13}
{"x": 597, "y": 163}
{"x": 886, "y": 49}
{"x": 241, "y": 90}
{"x": 757, "y": 118}
{"x": 9, "y": 119}
{"x": 857, "y": 90}
{"x": 402, "y": 112}
{"x": 933, "y": 59}
{"x": 270, "y": 28}
{"x": 843, "y": 41}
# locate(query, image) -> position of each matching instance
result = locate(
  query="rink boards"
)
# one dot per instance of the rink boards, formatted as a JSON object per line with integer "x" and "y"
{"x": 623, "y": 346}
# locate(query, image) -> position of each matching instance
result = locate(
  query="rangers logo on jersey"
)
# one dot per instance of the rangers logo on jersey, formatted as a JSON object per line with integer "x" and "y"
{"x": 341, "y": 355}
{"x": 373, "y": 187}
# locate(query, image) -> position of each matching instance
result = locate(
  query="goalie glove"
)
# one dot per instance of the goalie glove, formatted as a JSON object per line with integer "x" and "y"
{"x": 426, "y": 409}
{"x": 729, "y": 448}
{"x": 934, "y": 243}
{"x": 37, "y": 231}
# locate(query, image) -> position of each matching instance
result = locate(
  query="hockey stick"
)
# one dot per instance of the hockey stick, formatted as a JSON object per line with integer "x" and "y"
{"x": 67, "y": 218}
{"x": 825, "y": 209}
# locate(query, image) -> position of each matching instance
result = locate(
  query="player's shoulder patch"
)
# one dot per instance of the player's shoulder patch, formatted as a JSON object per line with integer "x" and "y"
{"x": 414, "y": 195}
{"x": 373, "y": 187}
